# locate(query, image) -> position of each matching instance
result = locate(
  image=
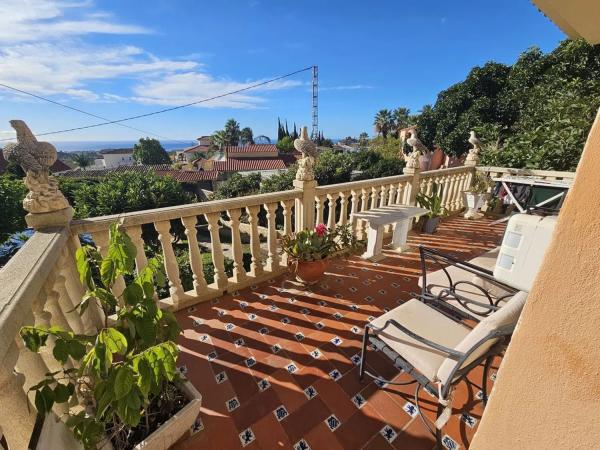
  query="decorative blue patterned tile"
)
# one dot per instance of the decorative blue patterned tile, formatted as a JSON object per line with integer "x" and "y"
{"x": 364, "y": 269}
{"x": 310, "y": 392}
{"x": 229, "y": 326}
{"x": 335, "y": 375}
{"x": 336, "y": 341}
{"x": 212, "y": 356}
{"x": 252, "y": 316}
{"x": 469, "y": 420}
{"x": 182, "y": 369}
{"x": 493, "y": 376}
{"x": 215, "y": 301}
{"x": 301, "y": 445}
{"x": 196, "y": 323}
{"x": 359, "y": 401}
{"x": 285, "y": 320}
{"x": 369, "y": 299}
{"x": 339, "y": 280}
{"x": 204, "y": 338}
{"x": 338, "y": 316}
{"x": 221, "y": 377}
{"x": 316, "y": 353}
{"x": 254, "y": 287}
{"x": 263, "y": 331}
{"x": 243, "y": 305}
{"x": 273, "y": 308}
{"x": 386, "y": 309}
{"x": 292, "y": 300}
{"x": 353, "y": 289}
{"x": 354, "y": 307}
{"x": 221, "y": 313}
{"x": 197, "y": 426}
{"x": 305, "y": 311}
{"x": 378, "y": 276}
{"x": 280, "y": 413}
{"x": 356, "y": 359}
{"x": 380, "y": 384}
{"x": 449, "y": 443}
{"x": 394, "y": 285}
{"x": 355, "y": 329}
{"x": 247, "y": 437}
{"x": 232, "y": 404}
{"x": 366, "y": 283}
{"x": 382, "y": 291}
{"x": 263, "y": 385}
{"x": 250, "y": 361}
{"x": 322, "y": 303}
{"x": 319, "y": 325}
{"x": 338, "y": 295}
{"x": 191, "y": 309}
{"x": 410, "y": 409}
{"x": 292, "y": 367}
{"x": 479, "y": 395}
{"x": 275, "y": 348}
{"x": 239, "y": 342}
{"x": 332, "y": 422}
{"x": 299, "y": 336}
{"x": 370, "y": 318}
{"x": 406, "y": 278}
{"x": 388, "y": 433}
{"x": 262, "y": 296}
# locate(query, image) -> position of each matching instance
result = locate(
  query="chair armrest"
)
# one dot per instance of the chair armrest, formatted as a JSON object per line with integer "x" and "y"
{"x": 421, "y": 339}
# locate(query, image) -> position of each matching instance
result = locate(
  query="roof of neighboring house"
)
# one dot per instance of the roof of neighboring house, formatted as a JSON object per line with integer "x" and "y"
{"x": 253, "y": 148}
{"x": 58, "y": 166}
{"x": 116, "y": 151}
{"x": 189, "y": 176}
{"x": 290, "y": 158}
{"x": 197, "y": 148}
{"x": 241, "y": 165}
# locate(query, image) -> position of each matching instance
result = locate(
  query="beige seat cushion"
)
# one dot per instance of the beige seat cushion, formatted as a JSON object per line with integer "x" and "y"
{"x": 507, "y": 315}
{"x": 436, "y": 281}
{"x": 426, "y": 322}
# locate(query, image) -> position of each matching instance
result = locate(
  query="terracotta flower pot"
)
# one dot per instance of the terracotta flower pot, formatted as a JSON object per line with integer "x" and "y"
{"x": 310, "y": 272}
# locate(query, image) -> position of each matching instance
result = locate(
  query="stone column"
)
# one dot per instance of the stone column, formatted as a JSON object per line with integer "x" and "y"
{"x": 305, "y": 182}
{"x": 413, "y": 186}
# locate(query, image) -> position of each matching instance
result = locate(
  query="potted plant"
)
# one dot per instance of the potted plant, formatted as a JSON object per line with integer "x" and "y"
{"x": 433, "y": 203}
{"x": 120, "y": 385}
{"x": 309, "y": 250}
{"x": 476, "y": 196}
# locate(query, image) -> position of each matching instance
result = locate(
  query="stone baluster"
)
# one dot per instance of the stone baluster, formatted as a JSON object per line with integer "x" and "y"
{"x": 256, "y": 268}
{"x": 364, "y": 205}
{"x": 101, "y": 239}
{"x": 401, "y": 193}
{"x": 272, "y": 257}
{"x": 66, "y": 303}
{"x": 450, "y": 198}
{"x": 30, "y": 364}
{"x": 383, "y": 196}
{"x": 445, "y": 191}
{"x": 343, "y": 208}
{"x": 354, "y": 205}
{"x": 374, "y": 198}
{"x": 456, "y": 192}
{"x": 287, "y": 224}
{"x": 217, "y": 251}
{"x": 52, "y": 304}
{"x": 163, "y": 228}
{"x": 320, "y": 206}
{"x": 17, "y": 414}
{"x": 199, "y": 282}
{"x": 332, "y": 200}
{"x": 239, "y": 274}
{"x": 392, "y": 194}
{"x": 135, "y": 234}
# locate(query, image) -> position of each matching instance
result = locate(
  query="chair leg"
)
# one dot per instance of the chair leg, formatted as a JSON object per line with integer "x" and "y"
{"x": 486, "y": 369}
{"x": 363, "y": 355}
{"x": 438, "y": 432}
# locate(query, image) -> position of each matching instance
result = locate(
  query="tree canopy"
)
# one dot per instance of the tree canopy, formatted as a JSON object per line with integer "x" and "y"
{"x": 150, "y": 151}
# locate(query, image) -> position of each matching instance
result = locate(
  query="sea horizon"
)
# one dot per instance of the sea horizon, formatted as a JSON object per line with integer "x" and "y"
{"x": 94, "y": 146}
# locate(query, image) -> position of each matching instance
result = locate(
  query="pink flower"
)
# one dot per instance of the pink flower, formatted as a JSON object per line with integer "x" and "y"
{"x": 321, "y": 229}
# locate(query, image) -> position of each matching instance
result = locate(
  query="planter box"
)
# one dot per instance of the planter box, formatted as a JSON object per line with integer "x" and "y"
{"x": 178, "y": 425}
{"x": 474, "y": 202}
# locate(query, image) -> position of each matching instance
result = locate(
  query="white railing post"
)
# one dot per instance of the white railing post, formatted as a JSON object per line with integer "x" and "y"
{"x": 413, "y": 186}
{"x": 305, "y": 182}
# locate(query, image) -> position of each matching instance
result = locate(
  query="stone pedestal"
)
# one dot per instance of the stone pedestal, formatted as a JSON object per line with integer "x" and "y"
{"x": 51, "y": 219}
{"x": 305, "y": 206}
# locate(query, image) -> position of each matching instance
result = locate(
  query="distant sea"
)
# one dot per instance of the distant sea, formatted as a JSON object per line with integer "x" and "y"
{"x": 94, "y": 146}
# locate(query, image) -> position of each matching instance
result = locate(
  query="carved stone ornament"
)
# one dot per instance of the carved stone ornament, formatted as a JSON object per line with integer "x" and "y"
{"x": 308, "y": 149}
{"x": 36, "y": 158}
{"x": 412, "y": 159}
{"x": 476, "y": 149}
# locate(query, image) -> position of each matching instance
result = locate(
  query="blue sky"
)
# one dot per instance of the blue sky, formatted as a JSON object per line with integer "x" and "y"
{"x": 120, "y": 58}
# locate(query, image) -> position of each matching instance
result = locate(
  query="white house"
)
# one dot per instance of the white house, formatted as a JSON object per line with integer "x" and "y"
{"x": 112, "y": 158}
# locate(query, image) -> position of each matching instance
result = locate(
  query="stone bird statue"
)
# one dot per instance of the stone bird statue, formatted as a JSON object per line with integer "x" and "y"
{"x": 474, "y": 141}
{"x": 31, "y": 155}
{"x": 305, "y": 145}
{"x": 416, "y": 143}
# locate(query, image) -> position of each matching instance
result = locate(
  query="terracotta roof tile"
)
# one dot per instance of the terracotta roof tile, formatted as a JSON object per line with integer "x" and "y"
{"x": 242, "y": 165}
{"x": 189, "y": 176}
{"x": 58, "y": 166}
{"x": 254, "y": 148}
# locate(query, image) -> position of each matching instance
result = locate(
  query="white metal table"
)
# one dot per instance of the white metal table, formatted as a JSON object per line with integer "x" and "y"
{"x": 378, "y": 218}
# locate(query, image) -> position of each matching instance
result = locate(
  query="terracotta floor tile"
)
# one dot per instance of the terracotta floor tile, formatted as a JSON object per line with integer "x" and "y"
{"x": 304, "y": 419}
{"x": 354, "y": 288}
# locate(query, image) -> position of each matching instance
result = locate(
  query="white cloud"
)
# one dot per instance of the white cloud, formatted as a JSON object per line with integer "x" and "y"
{"x": 43, "y": 50}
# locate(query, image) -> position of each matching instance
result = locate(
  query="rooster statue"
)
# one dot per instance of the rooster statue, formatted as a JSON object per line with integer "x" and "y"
{"x": 309, "y": 152}
{"x": 477, "y": 147}
{"x": 418, "y": 150}
{"x": 36, "y": 158}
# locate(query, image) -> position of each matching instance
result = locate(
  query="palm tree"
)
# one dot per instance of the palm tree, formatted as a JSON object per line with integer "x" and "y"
{"x": 218, "y": 139}
{"x": 246, "y": 136}
{"x": 232, "y": 132}
{"x": 401, "y": 119}
{"x": 383, "y": 122}
{"x": 82, "y": 159}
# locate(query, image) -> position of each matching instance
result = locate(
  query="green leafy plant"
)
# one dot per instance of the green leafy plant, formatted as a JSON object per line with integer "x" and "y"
{"x": 432, "y": 202}
{"x": 321, "y": 243}
{"x": 481, "y": 183}
{"x": 122, "y": 377}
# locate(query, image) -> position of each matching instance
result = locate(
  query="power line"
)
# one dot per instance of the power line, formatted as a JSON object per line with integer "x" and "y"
{"x": 83, "y": 112}
{"x": 237, "y": 91}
